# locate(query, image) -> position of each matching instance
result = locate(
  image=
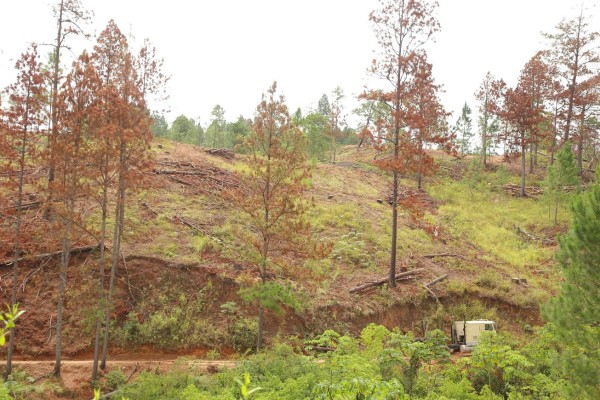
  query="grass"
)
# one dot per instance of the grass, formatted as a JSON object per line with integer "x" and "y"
{"x": 489, "y": 220}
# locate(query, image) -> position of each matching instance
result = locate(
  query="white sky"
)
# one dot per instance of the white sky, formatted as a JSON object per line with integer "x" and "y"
{"x": 228, "y": 52}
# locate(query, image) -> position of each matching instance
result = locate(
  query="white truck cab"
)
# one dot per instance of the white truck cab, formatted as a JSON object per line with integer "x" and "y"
{"x": 465, "y": 334}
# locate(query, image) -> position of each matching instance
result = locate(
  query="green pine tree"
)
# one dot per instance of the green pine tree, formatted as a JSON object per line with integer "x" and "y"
{"x": 562, "y": 173}
{"x": 575, "y": 312}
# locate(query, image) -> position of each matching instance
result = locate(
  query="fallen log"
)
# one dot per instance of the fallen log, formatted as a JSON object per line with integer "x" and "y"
{"x": 386, "y": 280}
{"x": 225, "y": 153}
{"x": 174, "y": 172}
{"x": 443, "y": 255}
{"x": 76, "y": 250}
{"x": 437, "y": 280}
{"x": 431, "y": 292}
{"x": 533, "y": 238}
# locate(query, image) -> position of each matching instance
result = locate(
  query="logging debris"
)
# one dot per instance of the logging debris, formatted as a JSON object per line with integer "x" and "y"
{"x": 224, "y": 153}
{"x": 202, "y": 178}
{"x": 401, "y": 276}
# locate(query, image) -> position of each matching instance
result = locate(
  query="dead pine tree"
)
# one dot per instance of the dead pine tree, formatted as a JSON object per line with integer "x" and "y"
{"x": 129, "y": 118}
{"x": 402, "y": 28}
{"x": 22, "y": 121}
{"x": 70, "y": 16}
{"x": 77, "y": 108}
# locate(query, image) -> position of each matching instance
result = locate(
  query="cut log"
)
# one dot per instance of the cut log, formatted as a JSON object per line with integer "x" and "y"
{"x": 386, "y": 280}
{"x": 436, "y": 280}
{"x": 76, "y": 250}
{"x": 431, "y": 293}
{"x": 443, "y": 255}
{"x": 225, "y": 153}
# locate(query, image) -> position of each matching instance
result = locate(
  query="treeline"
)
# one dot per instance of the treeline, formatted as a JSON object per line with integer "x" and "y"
{"x": 324, "y": 128}
{"x": 556, "y": 100}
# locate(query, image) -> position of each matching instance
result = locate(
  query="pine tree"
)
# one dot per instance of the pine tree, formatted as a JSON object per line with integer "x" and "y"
{"x": 22, "y": 125}
{"x": 464, "y": 126}
{"x": 271, "y": 198}
{"x": 575, "y": 312}
{"x": 562, "y": 173}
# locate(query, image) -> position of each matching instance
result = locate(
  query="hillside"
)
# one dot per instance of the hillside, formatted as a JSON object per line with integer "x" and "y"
{"x": 179, "y": 277}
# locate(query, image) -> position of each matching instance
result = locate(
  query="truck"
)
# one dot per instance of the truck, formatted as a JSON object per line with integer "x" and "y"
{"x": 465, "y": 334}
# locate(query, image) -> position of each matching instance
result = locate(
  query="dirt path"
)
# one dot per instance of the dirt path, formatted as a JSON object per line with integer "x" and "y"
{"x": 75, "y": 374}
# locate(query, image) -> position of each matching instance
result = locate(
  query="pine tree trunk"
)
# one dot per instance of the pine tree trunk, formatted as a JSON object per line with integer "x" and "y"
{"x": 523, "y": 164}
{"x": 581, "y": 141}
{"x": 531, "y": 158}
{"x": 261, "y": 322}
{"x": 17, "y": 251}
{"x": 54, "y": 111}
{"x": 392, "y": 272}
{"x": 64, "y": 265}
{"x": 101, "y": 296}
{"x": 420, "y": 166}
{"x": 119, "y": 218}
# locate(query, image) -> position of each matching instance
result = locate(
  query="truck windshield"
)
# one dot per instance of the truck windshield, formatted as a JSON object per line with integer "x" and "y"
{"x": 489, "y": 327}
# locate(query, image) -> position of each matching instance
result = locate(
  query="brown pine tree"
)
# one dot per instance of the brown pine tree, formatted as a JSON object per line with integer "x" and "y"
{"x": 402, "y": 28}
{"x": 22, "y": 126}
{"x": 78, "y": 113}
{"x": 70, "y": 16}
{"x": 575, "y": 54}
{"x": 271, "y": 198}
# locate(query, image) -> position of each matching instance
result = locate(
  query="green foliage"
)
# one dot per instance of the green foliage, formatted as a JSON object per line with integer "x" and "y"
{"x": 328, "y": 339}
{"x": 409, "y": 355}
{"x": 7, "y": 319}
{"x": 242, "y": 333}
{"x": 20, "y": 385}
{"x": 494, "y": 215}
{"x": 171, "y": 321}
{"x": 158, "y": 387}
{"x": 562, "y": 173}
{"x": 360, "y": 389}
{"x": 314, "y": 127}
{"x": 352, "y": 249}
{"x": 272, "y": 295}
{"x": 115, "y": 379}
{"x": 575, "y": 312}
{"x": 496, "y": 365}
{"x": 245, "y": 391}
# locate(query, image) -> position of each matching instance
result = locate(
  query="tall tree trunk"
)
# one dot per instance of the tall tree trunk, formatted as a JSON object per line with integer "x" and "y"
{"x": 420, "y": 166}
{"x": 17, "y": 251}
{"x": 554, "y": 133}
{"x": 484, "y": 139}
{"x": 64, "y": 265}
{"x": 392, "y": 272}
{"x": 581, "y": 141}
{"x": 54, "y": 111}
{"x": 531, "y": 158}
{"x": 261, "y": 308}
{"x": 523, "y": 164}
{"x": 70, "y": 184}
{"x": 119, "y": 218}
{"x": 573, "y": 85}
{"x": 101, "y": 295}
{"x": 558, "y": 191}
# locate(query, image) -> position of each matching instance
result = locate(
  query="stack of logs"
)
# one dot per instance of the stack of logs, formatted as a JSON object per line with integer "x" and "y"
{"x": 225, "y": 153}
{"x": 515, "y": 189}
{"x": 204, "y": 178}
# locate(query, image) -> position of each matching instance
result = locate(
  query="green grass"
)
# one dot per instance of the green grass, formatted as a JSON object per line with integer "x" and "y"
{"x": 489, "y": 220}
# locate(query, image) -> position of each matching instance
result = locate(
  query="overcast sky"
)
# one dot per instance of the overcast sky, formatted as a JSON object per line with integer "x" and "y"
{"x": 228, "y": 52}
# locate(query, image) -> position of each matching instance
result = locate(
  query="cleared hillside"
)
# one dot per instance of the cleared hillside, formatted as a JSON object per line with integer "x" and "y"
{"x": 181, "y": 272}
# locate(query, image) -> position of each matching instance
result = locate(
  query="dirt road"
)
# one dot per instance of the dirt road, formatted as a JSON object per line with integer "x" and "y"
{"x": 75, "y": 374}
